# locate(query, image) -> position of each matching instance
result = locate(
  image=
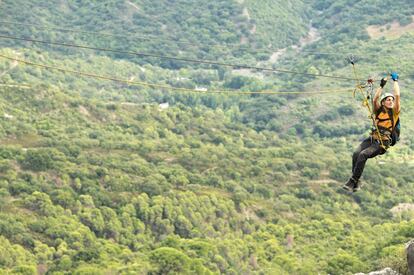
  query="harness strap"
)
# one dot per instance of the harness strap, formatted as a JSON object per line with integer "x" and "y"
{"x": 383, "y": 119}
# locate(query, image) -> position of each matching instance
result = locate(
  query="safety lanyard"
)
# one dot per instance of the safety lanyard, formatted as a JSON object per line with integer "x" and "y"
{"x": 365, "y": 102}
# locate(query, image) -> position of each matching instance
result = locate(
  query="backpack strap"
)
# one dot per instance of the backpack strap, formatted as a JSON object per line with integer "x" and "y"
{"x": 391, "y": 114}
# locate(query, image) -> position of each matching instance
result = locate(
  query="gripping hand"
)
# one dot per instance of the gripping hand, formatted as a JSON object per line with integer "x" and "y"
{"x": 394, "y": 76}
{"x": 383, "y": 82}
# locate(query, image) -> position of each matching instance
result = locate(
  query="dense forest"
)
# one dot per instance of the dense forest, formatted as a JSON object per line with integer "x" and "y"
{"x": 112, "y": 177}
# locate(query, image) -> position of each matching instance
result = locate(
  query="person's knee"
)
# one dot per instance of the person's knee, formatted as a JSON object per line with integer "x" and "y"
{"x": 363, "y": 156}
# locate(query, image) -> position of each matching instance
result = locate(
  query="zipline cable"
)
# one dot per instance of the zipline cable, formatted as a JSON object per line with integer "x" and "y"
{"x": 157, "y": 38}
{"x": 207, "y": 62}
{"x": 137, "y": 83}
{"x": 143, "y": 37}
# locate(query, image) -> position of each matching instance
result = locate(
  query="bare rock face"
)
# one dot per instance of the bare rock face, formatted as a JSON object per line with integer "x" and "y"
{"x": 386, "y": 271}
{"x": 410, "y": 257}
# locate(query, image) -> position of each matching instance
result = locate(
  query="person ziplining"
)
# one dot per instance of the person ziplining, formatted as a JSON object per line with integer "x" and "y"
{"x": 385, "y": 132}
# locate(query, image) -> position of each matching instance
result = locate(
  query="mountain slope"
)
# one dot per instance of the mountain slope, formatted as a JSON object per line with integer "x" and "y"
{"x": 125, "y": 174}
{"x": 97, "y": 177}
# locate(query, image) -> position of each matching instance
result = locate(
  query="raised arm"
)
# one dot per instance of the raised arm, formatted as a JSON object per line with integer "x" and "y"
{"x": 397, "y": 105}
{"x": 375, "y": 101}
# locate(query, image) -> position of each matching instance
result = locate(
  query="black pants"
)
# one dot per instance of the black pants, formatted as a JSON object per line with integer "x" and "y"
{"x": 369, "y": 148}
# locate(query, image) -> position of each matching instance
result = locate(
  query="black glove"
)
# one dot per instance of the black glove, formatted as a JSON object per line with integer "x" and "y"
{"x": 383, "y": 82}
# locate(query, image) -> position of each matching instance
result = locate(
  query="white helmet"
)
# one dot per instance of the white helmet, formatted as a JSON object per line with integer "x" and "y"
{"x": 384, "y": 96}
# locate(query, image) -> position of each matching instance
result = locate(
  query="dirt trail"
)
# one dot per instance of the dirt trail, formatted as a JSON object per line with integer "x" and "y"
{"x": 310, "y": 38}
{"x": 12, "y": 66}
{"x": 134, "y": 5}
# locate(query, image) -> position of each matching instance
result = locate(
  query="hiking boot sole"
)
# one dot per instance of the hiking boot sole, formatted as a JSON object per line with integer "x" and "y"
{"x": 347, "y": 188}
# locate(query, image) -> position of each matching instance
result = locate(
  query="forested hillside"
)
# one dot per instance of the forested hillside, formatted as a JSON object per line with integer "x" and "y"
{"x": 218, "y": 30}
{"x": 175, "y": 167}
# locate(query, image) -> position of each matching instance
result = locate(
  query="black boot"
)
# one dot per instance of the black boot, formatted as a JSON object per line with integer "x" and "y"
{"x": 351, "y": 185}
{"x": 357, "y": 186}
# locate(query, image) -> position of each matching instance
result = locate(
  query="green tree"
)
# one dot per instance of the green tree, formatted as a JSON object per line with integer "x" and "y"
{"x": 40, "y": 159}
{"x": 170, "y": 261}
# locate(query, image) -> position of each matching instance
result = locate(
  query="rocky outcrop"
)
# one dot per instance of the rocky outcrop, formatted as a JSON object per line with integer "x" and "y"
{"x": 410, "y": 257}
{"x": 386, "y": 271}
{"x": 410, "y": 263}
